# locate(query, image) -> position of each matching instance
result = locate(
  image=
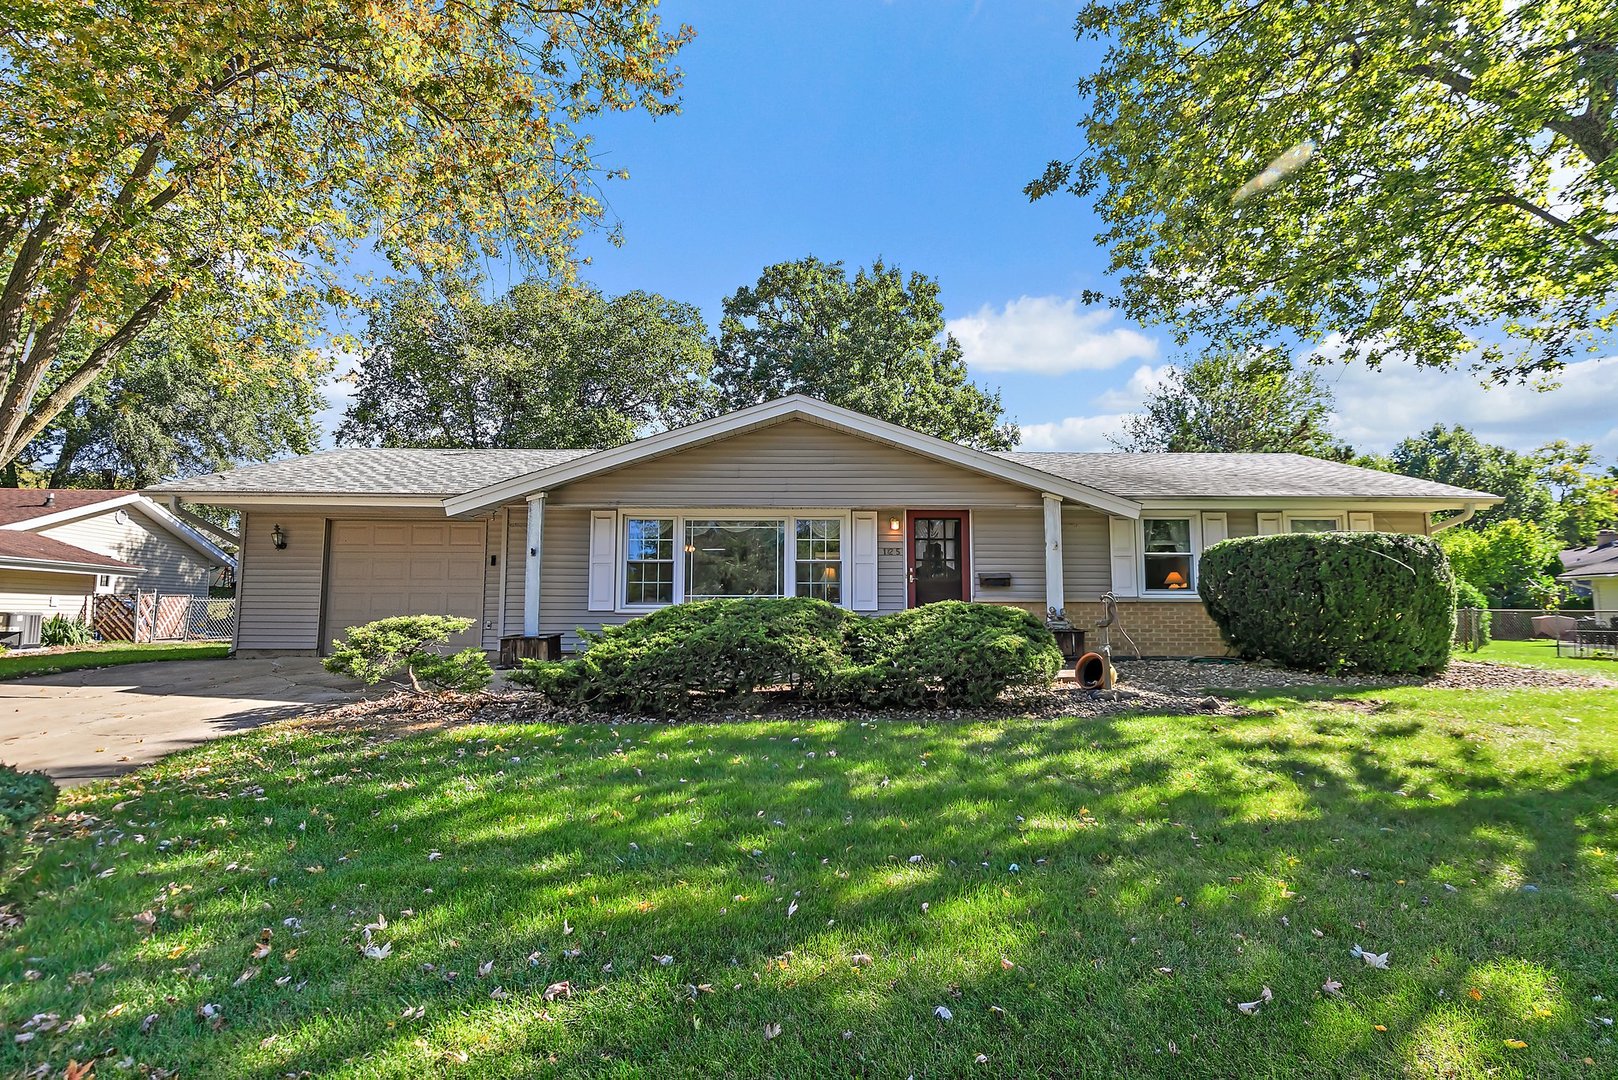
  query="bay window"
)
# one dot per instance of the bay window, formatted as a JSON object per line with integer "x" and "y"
{"x": 1167, "y": 554}
{"x": 722, "y": 557}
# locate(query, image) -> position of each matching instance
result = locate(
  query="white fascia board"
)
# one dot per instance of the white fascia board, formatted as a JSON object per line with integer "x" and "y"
{"x": 58, "y": 517}
{"x": 787, "y": 408}
{"x": 1297, "y": 503}
{"x": 307, "y": 501}
{"x": 186, "y": 533}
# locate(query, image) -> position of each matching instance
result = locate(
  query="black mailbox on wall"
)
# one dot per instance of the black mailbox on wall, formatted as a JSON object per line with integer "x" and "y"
{"x": 994, "y": 581}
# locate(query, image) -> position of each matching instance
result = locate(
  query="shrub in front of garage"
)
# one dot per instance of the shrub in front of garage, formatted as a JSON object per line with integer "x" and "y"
{"x": 416, "y": 646}
{"x": 1380, "y": 603}
{"x": 687, "y": 657}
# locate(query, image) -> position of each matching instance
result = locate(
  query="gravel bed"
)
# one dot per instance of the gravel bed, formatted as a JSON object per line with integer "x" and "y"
{"x": 1182, "y": 675}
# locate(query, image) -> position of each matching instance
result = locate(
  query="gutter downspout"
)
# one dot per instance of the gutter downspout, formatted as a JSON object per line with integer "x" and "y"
{"x": 1466, "y": 514}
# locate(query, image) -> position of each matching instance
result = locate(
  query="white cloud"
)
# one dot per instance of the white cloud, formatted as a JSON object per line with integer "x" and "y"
{"x": 1048, "y": 336}
{"x": 1377, "y": 408}
{"x": 338, "y": 390}
{"x": 1076, "y": 433}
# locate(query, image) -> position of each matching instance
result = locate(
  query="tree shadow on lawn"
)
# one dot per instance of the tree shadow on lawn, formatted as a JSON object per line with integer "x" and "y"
{"x": 1166, "y": 868}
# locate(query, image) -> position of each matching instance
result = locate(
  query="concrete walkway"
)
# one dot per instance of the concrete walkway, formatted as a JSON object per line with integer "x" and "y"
{"x": 83, "y": 725}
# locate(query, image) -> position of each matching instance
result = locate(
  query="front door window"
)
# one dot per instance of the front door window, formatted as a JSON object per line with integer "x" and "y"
{"x": 937, "y": 558}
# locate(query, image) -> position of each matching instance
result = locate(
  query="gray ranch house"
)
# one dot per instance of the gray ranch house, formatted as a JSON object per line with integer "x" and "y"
{"x": 793, "y": 497}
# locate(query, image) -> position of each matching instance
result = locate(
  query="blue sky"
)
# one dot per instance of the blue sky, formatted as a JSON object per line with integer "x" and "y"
{"x": 858, "y": 129}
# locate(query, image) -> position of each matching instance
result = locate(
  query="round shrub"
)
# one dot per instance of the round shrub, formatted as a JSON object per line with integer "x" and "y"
{"x": 1468, "y": 595}
{"x": 1382, "y": 603}
{"x": 708, "y": 652}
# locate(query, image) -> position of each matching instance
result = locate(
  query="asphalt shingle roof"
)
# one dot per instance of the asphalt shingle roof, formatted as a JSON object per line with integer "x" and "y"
{"x": 1235, "y": 476}
{"x": 360, "y": 471}
{"x": 25, "y": 504}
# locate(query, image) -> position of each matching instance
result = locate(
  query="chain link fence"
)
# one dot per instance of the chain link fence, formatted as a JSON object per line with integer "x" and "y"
{"x": 152, "y": 616}
{"x": 1521, "y": 624}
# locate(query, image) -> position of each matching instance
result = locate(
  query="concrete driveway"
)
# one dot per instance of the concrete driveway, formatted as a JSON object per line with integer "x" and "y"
{"x": 82, "y": 725}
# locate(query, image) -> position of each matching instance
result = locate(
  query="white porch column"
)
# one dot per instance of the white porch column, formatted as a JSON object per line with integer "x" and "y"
{"x": 530, "y": 587}
{"x": 1055, "y": 597}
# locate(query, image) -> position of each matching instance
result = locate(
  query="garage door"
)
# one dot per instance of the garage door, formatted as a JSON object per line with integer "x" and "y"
{"x": 378, "y": 569}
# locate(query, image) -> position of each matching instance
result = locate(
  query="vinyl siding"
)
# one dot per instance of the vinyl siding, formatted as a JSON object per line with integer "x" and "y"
{"x": 1086, "y": 558}
{"x": 1009, "y": 542}
{"x": 892, "y": 580}
{"x": 564, "y": 596}
{"x": 517, "y": 566}
{"x": 1403, "y": 522}
{"x": 171, "y": 565}
{"x": 47, "y": 594}
{"x": 491, "y": 579}
{"x": 280, "y": 591}
{"x": 791, "y": 464}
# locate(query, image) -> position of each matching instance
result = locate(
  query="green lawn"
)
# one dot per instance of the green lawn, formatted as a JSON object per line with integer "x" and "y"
{"x": 20, "y": 665}
{"x": 1084, "y": 896}
{"x": 1538, "y": 654}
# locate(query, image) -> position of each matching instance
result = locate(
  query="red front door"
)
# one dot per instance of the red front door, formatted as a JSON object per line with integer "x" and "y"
{"x": 938, "y": 556}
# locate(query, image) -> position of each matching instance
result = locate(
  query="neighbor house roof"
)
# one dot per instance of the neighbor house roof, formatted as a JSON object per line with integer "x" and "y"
{"x": 1599, "y": 560}
{"x": 466, "y": 481}
{"x": 358, "y": 471}
{"x": 26, "y": 504}
{"x": 1184, "y": 476}
{"x": 30, "y": 551}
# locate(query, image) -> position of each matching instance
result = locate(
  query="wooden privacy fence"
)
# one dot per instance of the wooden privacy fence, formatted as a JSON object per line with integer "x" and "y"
{"x": 152, "y": 616}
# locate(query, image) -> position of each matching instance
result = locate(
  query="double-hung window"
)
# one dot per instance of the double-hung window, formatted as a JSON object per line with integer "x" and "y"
{"x": 1167, "y": 555}
{"x": 648, "y": 561}
{"x": 708, "y": 557}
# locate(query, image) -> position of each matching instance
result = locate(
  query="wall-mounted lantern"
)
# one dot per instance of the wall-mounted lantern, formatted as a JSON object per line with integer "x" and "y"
{"x": 893, "y": 523}
{"x": 278, "y": 538}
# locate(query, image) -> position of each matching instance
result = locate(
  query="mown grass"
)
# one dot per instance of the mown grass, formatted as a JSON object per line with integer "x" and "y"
{"x": 1540, "y": 653}
{"x": 1113, "y": 887}
{"x": 21, "y": 665}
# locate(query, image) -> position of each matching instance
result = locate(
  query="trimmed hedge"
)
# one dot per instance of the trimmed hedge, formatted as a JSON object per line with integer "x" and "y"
{"x": 24, "y": 796}
{"x": 1382, "y": 603}
{"x": 690, "y": 656}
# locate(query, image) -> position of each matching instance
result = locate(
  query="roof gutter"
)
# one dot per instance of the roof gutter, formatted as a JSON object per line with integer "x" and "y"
{"x": 1466, "y": 514}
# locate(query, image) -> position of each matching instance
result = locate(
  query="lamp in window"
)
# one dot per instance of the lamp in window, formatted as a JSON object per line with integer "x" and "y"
{"x": 278, "y": 538}
{"x": 1175, "y": 580}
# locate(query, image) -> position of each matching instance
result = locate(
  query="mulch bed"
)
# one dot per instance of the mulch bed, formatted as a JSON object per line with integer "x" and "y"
{"x": 1158, "y": 686}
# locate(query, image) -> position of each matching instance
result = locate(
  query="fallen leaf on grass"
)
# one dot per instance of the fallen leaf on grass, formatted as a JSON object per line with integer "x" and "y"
{"x": 771, "y": 1031}
{"x": 1516, "y": 1044}
{"x": 415, "y": 1012}
{"x": 484, "y": 969}
{"x": 943, "y": 1013}
{"x": 379, "y": 952}
{"x": 558, "y": 989}
{"x": 1332, "y": 988}
{"x": 1475, "y": 994}
{"x": 1376, "y": 960}
{"x": 860, "y": 959}
{"x": 1250, "y": 1008}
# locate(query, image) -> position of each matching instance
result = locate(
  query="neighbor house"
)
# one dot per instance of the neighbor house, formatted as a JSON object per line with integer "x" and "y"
{"x": 60, "y": 546}
{"x": 1596, "y": 568}
{"x": 791, "y": 497}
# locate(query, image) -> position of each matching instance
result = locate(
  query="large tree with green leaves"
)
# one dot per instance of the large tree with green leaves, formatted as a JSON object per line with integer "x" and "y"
{"x": 1512, "y": 562}
{"x": 167, "y": 406}
{"x": 1387, "y": 178}
{"x": 214, "y": 163}
{"x": 1225, "y": 402}
{"x": 874, "y": 342}
{"x": 547, "y": 365}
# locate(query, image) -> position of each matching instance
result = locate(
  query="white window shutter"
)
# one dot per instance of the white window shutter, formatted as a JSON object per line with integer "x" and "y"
{"x": 1215, "y": 527}
{"x": 603, "y": 560}
{"x": 1361, "y": 521}
{"x": 1269, "y": 524}
{"x": 862, "y": 567}
{"x": 1123, "y": 556}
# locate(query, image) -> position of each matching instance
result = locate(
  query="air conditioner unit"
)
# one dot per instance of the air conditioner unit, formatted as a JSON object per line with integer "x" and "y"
{"x": 25, "y": 624}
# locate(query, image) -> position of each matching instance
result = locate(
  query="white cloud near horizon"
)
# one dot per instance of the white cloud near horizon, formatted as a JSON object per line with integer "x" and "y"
{"x": 1047, "y": 335}
{"x": 1377, "y": 408}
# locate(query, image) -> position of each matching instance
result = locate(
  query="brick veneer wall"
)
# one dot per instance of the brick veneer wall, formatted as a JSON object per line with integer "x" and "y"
{"x": 1157, "y": 627}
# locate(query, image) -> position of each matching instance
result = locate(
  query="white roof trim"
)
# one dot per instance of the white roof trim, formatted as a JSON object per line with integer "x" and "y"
{"x": 62, "y": 566}
{"x": 797, "y": 406}
{"x": 162, "y": 517}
